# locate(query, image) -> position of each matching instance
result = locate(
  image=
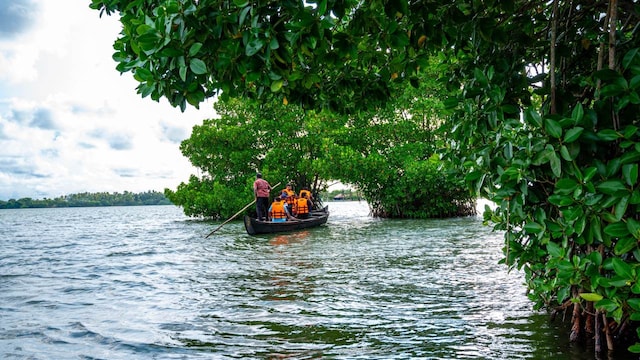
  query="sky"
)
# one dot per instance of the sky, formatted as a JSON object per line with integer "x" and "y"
{"x": 71, "y": 123}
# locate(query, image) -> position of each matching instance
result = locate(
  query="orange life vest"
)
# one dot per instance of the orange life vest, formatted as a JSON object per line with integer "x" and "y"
{"x": 289, "y": 192}
{"x": 302, "y": 192}
{"x": 289, "y": 199}
{"x": 277, "y": 210}
{"x": 302, "y": 206}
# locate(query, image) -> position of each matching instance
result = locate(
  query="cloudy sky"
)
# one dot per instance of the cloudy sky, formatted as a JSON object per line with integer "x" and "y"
{"x": 69, "y": 122}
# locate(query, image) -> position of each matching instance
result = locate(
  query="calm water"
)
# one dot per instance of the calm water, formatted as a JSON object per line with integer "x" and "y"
{"x": 143, "y": 282}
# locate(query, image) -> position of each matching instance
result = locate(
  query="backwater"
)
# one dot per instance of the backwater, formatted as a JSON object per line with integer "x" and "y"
{"x": 144, "y": 283}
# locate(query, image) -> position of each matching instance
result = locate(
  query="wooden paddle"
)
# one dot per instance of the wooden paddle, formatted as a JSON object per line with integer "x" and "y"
{"x": 238, "y": 213}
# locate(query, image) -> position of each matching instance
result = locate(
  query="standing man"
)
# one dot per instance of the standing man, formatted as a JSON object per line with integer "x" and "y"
{"x": 261, "y": 190}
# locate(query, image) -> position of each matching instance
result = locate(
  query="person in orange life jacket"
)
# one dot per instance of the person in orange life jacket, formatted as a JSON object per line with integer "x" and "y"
{"x": 279, "y": 211}
{"x": 288, "y": 190}
{"x": 309, "y": 196}
{"x": 303, "y": 206}
{"x": 261, "y": 190}
{"x": 305, "y": 190}
{"x": 287, "y": 195}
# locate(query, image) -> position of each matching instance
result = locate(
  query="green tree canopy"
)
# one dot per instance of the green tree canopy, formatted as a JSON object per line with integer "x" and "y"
{"x": 383, "y": 154}
{"x": 339, "y": 54}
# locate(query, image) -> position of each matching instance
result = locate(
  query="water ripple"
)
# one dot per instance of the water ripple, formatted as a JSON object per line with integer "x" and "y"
{"x": 143, "y": 282}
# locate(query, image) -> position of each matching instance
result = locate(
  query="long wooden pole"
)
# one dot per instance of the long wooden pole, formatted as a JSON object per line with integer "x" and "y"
{"x": 238, "y": 213}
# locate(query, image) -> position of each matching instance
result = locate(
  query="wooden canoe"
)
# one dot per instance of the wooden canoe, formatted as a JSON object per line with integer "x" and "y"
{"x": 316, "y": 218}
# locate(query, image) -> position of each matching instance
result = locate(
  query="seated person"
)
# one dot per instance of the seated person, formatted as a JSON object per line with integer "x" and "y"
{"x": 305, "y": 191}
{"x": 278, "y": 211}
{"x": 302, "y": 207}
{"x": 287, "y": 194}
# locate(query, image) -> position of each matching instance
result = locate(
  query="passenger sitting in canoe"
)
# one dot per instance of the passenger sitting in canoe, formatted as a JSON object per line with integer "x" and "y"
{"x": 278, "y": 211}
{"x": 287, "y": 195}
{"x": 305, "y": 190}
{"x": 302, "y": 207}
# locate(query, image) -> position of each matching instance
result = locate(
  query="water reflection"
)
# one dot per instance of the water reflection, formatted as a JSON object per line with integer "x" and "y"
{"x": 287, "y": 238}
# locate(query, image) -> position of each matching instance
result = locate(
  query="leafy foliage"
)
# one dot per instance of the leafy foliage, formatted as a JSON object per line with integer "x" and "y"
{"x": 559, "y": 157}
{"x": 329, "y": 53}
{"x": 307, "y": 148}
{"x": 278, "y": 141}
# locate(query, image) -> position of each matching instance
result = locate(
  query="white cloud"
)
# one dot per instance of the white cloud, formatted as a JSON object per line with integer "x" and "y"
{"x": 69, "y": 122}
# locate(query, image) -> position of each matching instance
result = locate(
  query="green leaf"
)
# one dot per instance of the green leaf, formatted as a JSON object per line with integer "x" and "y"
{"x": 618, "y": 229}
{"x": 630, "y": 130}
{"x": 144, "y": 74}
{"x": 480, "y": 77}
{"x": 276, "y": 85}
{"x": 450, "y": 103}
{"x": 197, "y": 66}
{"x": 560, "y": 200}
{"x": 634, "y": 303}
{"x": 573, "y": 134}
{"x": 606, "y": 305}
{"x": 593, "y": 297}
{"x": 630, "y": 173}
{"x": 634, "y": 228}
{"x": 622, "y": 269}
{"x": 606, "y": 74}
{"x": 589, "y": 172}
{"x": 564, "y": 152}
{"x": 635, "y": 348}
{"x": 621, "y": 207}
{"x": 565, "y": 186}
{"x": 624, "y": 245}
{"x": 556, "y": 167}
{"x": 554, "y": 250}
{"x": 596, "y": 229}
{"x": 194, "y": 49}
{"x": 273, "y": 44}
{"x": 553, "y": 128}
{"x": 254, "y": 46}
{"x": 614, "y": 89}
{"x": 578, "y": 113}
{"x": 322, "y": 7}
{"x": 611, "y": 187}
{"x": 533, "y": 228}
{"x": 243, "y": 15}
{"x": 608, "y": 135}
{"x": 531, "y": 116}
{"x": 183, "y": 73}
{"x": 241, "y": 3}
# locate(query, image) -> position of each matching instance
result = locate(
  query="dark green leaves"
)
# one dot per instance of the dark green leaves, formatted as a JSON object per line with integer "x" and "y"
{"x": 573, "y": 134}
{"x": 254, "y": 46}
{"x": 198, "y": 66}
{"x": 553, "y": 128}
{"x": 612, "y": 187}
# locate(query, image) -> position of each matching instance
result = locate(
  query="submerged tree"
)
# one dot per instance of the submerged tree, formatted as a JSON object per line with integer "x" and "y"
{"x": 546, "y": 123}
{"x": 383, "y": 155}
{"x": 548, "y": 129}
{"x": 277, "y": 140}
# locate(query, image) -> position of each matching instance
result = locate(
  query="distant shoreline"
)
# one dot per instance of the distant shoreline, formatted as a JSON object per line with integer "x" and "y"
{"x": 101, "y": 199}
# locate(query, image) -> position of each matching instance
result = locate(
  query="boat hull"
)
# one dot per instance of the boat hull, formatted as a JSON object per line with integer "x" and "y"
{"x": 254, "y": 227}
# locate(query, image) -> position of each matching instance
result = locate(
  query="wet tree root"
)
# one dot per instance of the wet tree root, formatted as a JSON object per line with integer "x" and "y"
{"x": 591, "y": 325}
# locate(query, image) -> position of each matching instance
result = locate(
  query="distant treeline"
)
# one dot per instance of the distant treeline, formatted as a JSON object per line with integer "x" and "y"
{"x": 90, "y": 199}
